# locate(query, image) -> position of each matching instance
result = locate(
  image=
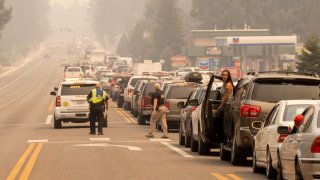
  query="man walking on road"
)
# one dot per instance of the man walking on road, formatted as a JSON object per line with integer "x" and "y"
{"x": 98, "y": 99}
{"x": 158, "y": 113}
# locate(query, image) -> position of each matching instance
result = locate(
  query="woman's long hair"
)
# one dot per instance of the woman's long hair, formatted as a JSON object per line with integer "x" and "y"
{"x": 229, "y": 79}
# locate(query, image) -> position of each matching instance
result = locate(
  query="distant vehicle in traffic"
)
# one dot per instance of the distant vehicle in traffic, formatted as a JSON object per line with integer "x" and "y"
{"x": 73, "y": 72}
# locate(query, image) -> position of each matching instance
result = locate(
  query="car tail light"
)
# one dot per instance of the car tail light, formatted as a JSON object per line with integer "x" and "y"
{"x": 282, "y": 137}
{"x": 58, "y": 101}
{"x": 167, "y": 104}
{"x": 193, "y": 108}
{"x": 142, "y": 102}
{"x": 315, "y": 148}
{"x": 249, "y": 110}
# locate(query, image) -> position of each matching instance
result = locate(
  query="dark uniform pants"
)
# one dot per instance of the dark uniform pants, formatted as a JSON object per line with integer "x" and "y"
{"x": 96, "y": 114}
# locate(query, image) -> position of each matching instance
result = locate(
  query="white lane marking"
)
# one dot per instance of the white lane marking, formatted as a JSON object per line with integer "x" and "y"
{"x": 159, "y": 140}
{"x": 49, "y": 118}
{"x": 181, "y": 152}
{"x": 31, "y": 124}
{"x": 38, "y": 141}
{"x": 131, "y": 148}
{"x": 99, "y": 139}
{"x": 19, "y": 77}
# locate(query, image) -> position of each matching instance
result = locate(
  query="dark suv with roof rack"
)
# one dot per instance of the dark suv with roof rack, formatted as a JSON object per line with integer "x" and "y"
{"x": 254, "y": 97}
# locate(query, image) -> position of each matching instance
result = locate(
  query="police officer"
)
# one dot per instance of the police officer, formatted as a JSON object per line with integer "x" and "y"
{"x": 158, "y": 113}
{"x": 98, "y": 99}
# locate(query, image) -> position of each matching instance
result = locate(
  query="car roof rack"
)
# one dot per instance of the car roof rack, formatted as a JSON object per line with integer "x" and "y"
{"x": 253, "y": 73}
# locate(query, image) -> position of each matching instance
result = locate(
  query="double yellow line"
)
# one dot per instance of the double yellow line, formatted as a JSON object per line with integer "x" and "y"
{"x": 36, "y": 148}
{"x": 222, "y": 177}
{"x": 126, "y": 116}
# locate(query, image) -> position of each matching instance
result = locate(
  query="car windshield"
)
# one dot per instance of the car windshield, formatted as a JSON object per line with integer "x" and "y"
{"x": 274, "y": 92}
{"x": 292, "y": 110}
{"x": 76, "y": 89}
{"x": 179, "y": 92}
{"x": 135, "y": 80}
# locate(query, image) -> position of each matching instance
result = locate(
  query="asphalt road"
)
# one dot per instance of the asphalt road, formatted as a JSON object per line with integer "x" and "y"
{"x": 32, "y": 149}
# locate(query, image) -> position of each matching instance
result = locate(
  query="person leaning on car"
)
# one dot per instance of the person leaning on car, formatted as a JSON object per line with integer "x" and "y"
{"x": 98, "y": 99}
{"x": 159, "y": 112}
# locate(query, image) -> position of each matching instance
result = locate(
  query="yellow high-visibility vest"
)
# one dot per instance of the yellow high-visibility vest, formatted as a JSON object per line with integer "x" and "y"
{"x": 94, "y": 99}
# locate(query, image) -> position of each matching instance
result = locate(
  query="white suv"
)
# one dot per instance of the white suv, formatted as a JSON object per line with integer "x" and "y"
{"x": 131, "y": 85}
{"x": 71, "y": 102}
{"x": 73, "y": 72}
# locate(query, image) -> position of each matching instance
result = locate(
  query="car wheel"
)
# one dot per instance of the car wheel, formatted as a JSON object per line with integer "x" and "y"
{"x": 194, "y": 144}
{"x": 203, "y": 148}
{"x": 255, "y": 168}
{"x": 128, "y": 107}
{"x": 141, "y": 120}
{"x": 224, "y": 154}
{"x": 279, "y": 170}
{"x": 270, "y": 171}
{"x": 298, "y": 175}
{"x": 57, "y": 123}
{"x": 181, "y": 137}
{"x": 187, "y": 140}
{"x": 237, "y": 158}
{"x": 105, "y": 122}
{"x": 119, "y": 103}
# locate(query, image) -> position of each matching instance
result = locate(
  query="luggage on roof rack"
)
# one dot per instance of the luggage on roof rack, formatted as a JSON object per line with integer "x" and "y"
{"x": 193, "y": 77}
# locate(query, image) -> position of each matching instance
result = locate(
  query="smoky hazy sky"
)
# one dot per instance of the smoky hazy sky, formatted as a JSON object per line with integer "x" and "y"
{"x": 67, "y": 3}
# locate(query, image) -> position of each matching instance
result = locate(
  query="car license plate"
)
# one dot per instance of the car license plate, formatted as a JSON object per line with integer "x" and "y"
{"x": 80, "y": 102}
{"x": 81, "y": 115}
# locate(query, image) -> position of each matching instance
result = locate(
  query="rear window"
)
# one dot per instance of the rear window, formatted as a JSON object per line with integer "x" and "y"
{"x": 73, "y": 70}
{"x": 148, "y": 89}
{"x": 179, "y": 92}
{"x": 135, "y": 80}
{"x": 274, "y": 92}
{"x": 292, "y": 110}
{"x": 77, "y": 89}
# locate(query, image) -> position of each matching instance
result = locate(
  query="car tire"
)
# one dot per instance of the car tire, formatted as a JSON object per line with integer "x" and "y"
{"x": 298, "y": 174}
{"x": 105, "y": 122}
{"x": 279, "y": 170}
{"x": 181, "y": 137}
{"x": 194, "y": 144}
{"x": 224, "y": 154}
{"x": 57, "y": 123}
{"x": 141, "y": 120}
{"x": 237, "y": 158}
{"x": 187, "y": 140}
{"x": 128, "y": 107}
{"x": 255, "y": 168}
{"x": 270, "y": 171}
{"x": 203, "y": 148}
{"x": 119, "y": 103}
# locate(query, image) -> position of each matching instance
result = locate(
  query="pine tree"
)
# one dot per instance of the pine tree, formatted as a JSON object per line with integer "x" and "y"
{"x": 168, "y": 27}
{"x": 310, "y": 57}
{"x": 123, "y": 48}
{"x": 5, "y": 14}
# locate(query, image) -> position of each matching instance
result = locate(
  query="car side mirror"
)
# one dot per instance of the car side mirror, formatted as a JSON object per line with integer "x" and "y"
{"x": 180, "y": 104}
{"x": 194, "y": 102}
{"x": 55, "y": 88}
{"x": 284, "y": 130}
{"x": 53, "y": 93}
{"x": 257, "y": 124}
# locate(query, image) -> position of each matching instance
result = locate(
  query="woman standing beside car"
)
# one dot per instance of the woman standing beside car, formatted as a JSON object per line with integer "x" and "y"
{"x": 226, "y": 89}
